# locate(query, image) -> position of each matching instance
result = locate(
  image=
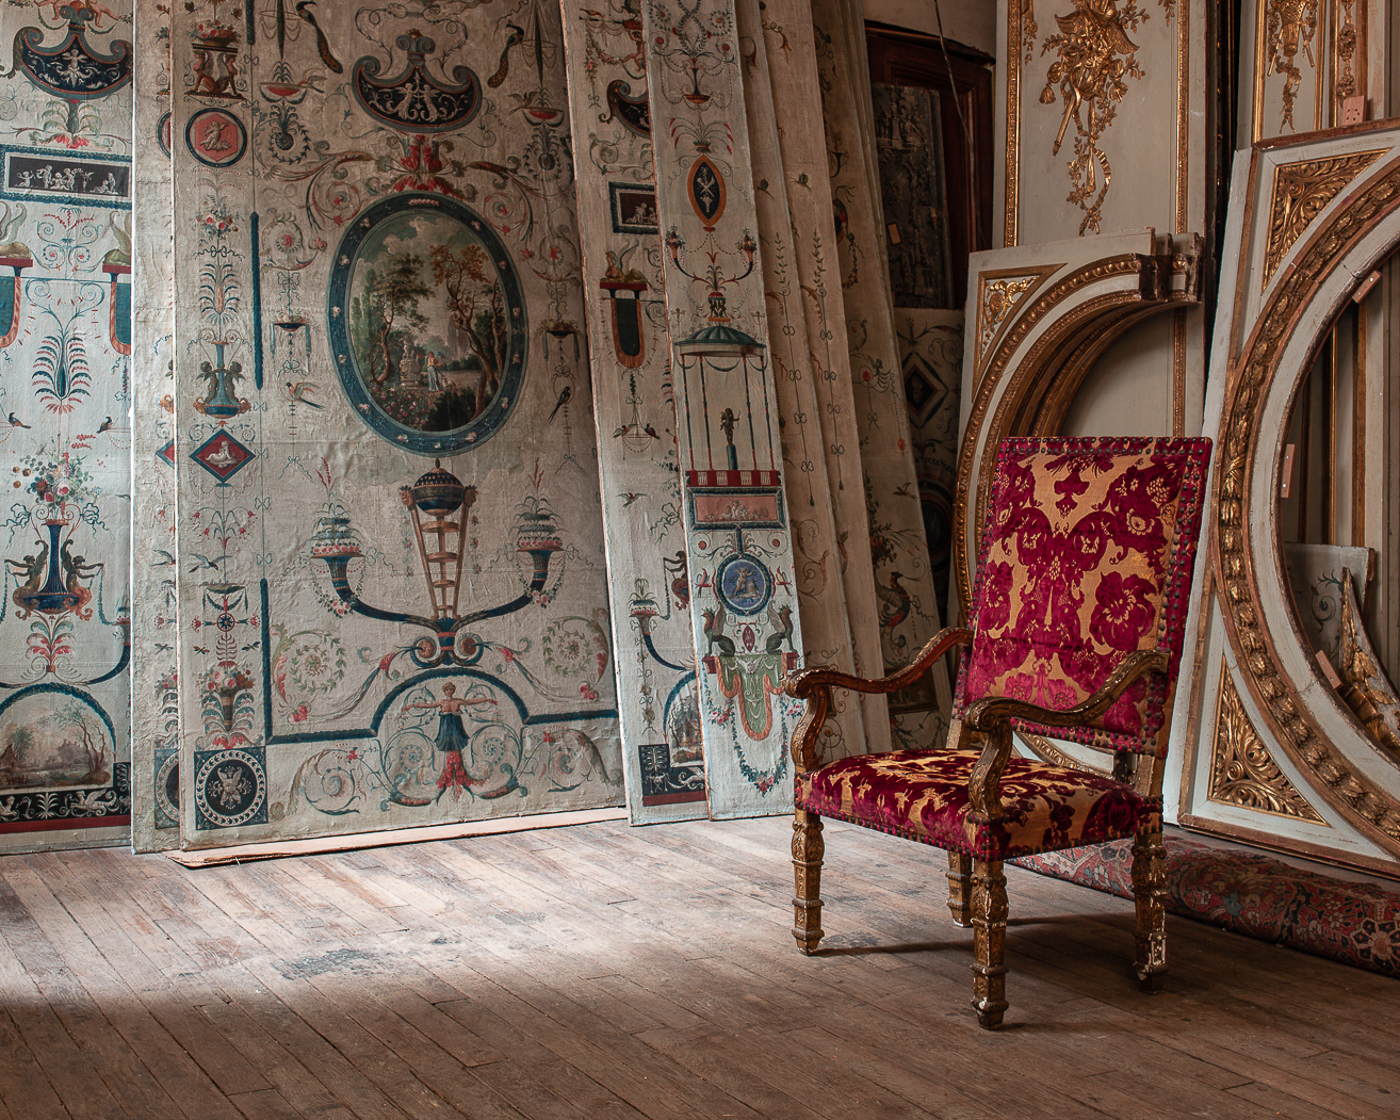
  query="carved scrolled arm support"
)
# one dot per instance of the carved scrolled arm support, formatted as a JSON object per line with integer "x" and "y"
{"x": 815, "y": 685}
{"x": 992, "y": 716}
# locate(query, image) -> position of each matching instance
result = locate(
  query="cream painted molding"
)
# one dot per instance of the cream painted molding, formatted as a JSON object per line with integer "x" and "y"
{"x": 1323, "y": 239}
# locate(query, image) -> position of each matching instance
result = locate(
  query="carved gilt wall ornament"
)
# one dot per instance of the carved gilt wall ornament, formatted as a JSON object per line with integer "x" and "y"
{"x": 1301, "y": 192}
{"x": 1095, "y": 55}
{"x": 1346, "y": 50}
{"x": 1292, "y": 722}
{"x": 996, "y": 296}
{"x": 1289, "y": 26}
{"x": 1365, "y": 688}
{"x": 1242, "y": 772}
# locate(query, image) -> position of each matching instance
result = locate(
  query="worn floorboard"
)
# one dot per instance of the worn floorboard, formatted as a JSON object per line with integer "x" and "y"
{"x": 611, "y": 972}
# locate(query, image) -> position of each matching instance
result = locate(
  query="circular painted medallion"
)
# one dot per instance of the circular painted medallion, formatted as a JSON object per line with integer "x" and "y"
{"x": 427, "y": 324}
{"x": 167, "y": 789}
{"x": 743, "y": 584}
{"x": 216, "y": 138}
{"x": 230, "y": 788}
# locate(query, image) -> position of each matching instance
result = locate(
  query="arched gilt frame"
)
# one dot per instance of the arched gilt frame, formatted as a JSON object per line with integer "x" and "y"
{"x": 1313, "y": 220}
{"x": 1041, "y": 317}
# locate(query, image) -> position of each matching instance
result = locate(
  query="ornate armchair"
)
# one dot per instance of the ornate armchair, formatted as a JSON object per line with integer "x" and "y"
{"x": 1075, "y": 631}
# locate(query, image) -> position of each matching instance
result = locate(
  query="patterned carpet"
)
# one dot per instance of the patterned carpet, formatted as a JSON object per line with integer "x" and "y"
{"x": 1253, "y": 894}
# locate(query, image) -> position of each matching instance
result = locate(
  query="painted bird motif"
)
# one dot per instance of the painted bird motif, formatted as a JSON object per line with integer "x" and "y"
{"x": 895, "y": 603}
{"x": 16, "y": 422}
{"x": 322, "y": 46}
{"x": 781, "y": 621}
{"x": 714, "y": 632}
{"x": 297, "y": 390}
{"x": 630, "y": 497}
{"x": 565, "y": 396}
{"x": 106, "y": 423}
{"x": 514, "y": 39}
{"x": 203, "y": 562}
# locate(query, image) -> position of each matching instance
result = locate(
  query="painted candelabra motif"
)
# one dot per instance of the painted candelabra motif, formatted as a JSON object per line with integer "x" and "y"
{"x": 439, "y": 507}
{"x": 633, "y": 372}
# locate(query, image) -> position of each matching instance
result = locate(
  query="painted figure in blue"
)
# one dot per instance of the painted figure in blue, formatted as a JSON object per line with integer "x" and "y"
{"x": 452, "y": 737}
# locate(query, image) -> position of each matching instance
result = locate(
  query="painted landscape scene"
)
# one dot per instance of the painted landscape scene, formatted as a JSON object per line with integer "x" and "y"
{"x": 428, "y": 327}
{"x": 53, "y": 739}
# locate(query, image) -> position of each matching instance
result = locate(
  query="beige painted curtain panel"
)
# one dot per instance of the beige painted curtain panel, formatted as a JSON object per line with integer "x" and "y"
{"x": 908, "y": 611}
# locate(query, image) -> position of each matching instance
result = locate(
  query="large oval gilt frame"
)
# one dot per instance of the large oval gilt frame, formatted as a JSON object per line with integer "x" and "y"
{"x": 1041, "y": 356}
{"x": 1342, "y": 247}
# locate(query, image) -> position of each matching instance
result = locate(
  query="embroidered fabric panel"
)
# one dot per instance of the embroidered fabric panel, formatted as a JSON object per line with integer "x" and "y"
{"x": 922, "y": 795}
{"x": 1087, "y": 556}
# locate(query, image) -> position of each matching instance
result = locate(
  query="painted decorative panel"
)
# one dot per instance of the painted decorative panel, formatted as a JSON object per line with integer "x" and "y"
{"x": 931, "y": 347}
{"x": 155, "y": 714}
{"x": 835, "y": 577}
{"x": 635, "y": 415}
{"x": 393, "y": 608}
{"x": 738, "y": 537}
{"x": 1315, "y": 576}
{"x": 65, "y": 388}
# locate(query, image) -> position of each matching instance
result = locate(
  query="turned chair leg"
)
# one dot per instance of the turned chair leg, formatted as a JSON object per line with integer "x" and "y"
{"x": 807, "y": 851}
{"x": 1150, "y": 896}
{"x": 960, "y": 888}
{"x": 989, "y": 942}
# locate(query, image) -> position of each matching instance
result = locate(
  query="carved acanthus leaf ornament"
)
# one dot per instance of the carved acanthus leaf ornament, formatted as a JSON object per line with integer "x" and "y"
{"x": 995, "y": 299}
{"x": 1242, "y": 772}
{"x": 1301, "y": 192}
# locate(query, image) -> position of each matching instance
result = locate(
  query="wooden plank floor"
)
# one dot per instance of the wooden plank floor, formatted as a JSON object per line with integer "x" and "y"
{"x": 607, "y": 971}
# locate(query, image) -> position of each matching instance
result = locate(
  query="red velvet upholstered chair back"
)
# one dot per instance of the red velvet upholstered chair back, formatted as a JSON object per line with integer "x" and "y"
{"x": 1087, "y": 556}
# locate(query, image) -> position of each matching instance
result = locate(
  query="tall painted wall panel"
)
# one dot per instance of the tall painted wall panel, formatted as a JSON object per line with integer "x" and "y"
{"x": 65, "y": 388}
{"x": 908, "y": 607}
{"x": 629, "y": 348}
{"x": 154, "y": 573}
{"x": 393, "y": 608}
{"x": 738, "y": 540}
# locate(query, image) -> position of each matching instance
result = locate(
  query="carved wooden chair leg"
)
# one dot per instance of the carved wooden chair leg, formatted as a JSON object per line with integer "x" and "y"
{"x": 989, "y": 942}
{"x": 807, "y": 850}
{"x": 1150, "y": 895}
{"x": 960, "y": 888}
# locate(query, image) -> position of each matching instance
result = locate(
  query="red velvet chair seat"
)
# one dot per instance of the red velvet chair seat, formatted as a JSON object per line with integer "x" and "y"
{"x": 923, "y": 795}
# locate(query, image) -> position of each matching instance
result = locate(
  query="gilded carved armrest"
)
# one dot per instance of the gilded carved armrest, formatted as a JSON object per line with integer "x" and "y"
{"x": 815, "y": 685}
{"x": 992, "y": 716}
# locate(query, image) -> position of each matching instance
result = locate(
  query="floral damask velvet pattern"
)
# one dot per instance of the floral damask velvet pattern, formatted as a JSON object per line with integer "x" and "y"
{"x": 923, "y": 795}
{"x": 1077, "y": 570}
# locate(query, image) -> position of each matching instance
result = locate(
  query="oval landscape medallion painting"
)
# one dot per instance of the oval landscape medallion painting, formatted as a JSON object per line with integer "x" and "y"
{"x": 427, "y": 324}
